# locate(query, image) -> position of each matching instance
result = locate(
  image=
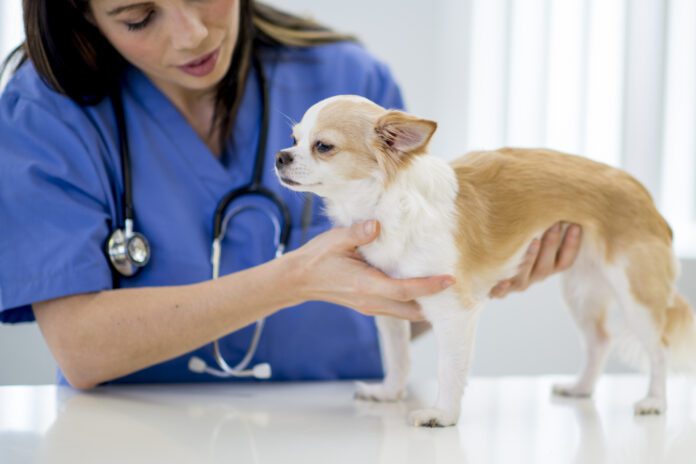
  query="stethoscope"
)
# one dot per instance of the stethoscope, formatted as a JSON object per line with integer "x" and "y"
{"x": 129, "y": 251}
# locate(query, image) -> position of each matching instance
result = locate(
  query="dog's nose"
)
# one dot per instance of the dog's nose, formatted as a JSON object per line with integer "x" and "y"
{"x": 283, "y": 158}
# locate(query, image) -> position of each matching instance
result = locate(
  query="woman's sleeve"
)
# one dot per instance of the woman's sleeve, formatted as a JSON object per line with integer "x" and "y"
{"x": 53, "y": 208}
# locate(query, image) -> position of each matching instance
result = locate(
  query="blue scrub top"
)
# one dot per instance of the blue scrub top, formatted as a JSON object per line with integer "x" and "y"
{"x": 61, "y": 184}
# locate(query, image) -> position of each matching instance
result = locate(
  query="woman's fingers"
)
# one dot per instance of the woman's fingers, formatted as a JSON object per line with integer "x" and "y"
{"x": 339, "y": 274}
{"x": 409, "y": 289}
{"x": 569, "y": 248}
{"x": 360, "y": 234}
{"x": 409, "y": 310}
{"x": 501, "y": 290}
{"x": 521, "y": 280}
{"x": 546, "y": 261}
{"x": 555, "y": 252}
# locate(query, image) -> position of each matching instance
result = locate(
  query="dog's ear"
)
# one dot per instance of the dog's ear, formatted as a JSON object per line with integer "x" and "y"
{"x": 401, "y": 132}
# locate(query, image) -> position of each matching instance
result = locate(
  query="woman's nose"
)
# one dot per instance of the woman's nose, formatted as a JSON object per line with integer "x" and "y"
{"x": 187, "y": 29}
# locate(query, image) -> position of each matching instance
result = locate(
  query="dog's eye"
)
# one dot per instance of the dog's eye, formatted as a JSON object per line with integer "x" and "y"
{"x": 323, "y": 147}
{"x": 294, "y": 140}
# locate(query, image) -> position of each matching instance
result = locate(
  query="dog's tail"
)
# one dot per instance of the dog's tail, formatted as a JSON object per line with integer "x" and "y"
{"x": 678, "y": 336}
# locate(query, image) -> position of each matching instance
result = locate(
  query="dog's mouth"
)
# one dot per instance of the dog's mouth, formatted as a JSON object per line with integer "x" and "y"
{"x": 288, "y": 181}
{"x": 292, "y": 183}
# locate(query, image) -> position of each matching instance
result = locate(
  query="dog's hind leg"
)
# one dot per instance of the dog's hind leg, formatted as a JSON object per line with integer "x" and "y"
{"x": 588, "y": 299}
{"x": 640, "y": 321}
{"x": 644, "y": 286}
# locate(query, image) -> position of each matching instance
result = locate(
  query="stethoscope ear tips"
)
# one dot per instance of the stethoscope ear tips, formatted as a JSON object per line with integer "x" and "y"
{"x": 262, "y": 371}
{"x": 197, "y": 365}
{"x": 259, "y": 371}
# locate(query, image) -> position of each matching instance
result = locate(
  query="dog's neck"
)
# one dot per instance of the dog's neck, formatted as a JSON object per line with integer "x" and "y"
{"x": 355, "y": 204}
{"x": 416, "y": 190}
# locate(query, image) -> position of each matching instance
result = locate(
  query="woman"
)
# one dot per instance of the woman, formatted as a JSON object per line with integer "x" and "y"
{"x": 192, "y": 100}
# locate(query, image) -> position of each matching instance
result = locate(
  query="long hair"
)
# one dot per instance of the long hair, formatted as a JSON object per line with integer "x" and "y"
{"x": 75, "y": 59}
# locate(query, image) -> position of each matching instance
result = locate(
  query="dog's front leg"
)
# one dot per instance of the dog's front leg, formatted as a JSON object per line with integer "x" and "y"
{"x": 394, "y": 339}
{"x": 455, "y": 329}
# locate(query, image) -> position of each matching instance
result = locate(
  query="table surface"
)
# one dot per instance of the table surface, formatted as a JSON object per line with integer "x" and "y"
{"x": 503, "y": 420}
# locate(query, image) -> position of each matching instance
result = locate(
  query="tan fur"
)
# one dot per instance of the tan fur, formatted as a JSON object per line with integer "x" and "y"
{"x": 679, "y": 319}
{"x": 353, "y": 152}
{"x": 387, "y": 129}
{"x": 601, "y": 325}
{"x": 509, "y": 195}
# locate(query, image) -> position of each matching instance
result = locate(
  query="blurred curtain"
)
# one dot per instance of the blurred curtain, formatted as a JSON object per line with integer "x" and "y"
{"x": 614, "y": 80}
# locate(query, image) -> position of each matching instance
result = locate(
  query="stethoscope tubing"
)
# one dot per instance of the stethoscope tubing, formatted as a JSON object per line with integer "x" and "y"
{"x": 281, "y": 227}
{"x": 282, "y": 233}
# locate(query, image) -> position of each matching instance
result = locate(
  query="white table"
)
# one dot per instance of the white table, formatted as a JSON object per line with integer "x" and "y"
{"x": 504, "y": 420}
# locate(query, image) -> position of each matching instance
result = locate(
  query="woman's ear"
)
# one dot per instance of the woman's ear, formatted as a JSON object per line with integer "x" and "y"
{"x": 405, "y": 133}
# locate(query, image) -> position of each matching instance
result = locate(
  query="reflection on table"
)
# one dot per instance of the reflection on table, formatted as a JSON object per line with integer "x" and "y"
{"x": 504, "y": 420}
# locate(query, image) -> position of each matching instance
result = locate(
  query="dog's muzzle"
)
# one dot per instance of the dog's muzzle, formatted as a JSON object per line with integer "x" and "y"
{"x": 283, "y": 159}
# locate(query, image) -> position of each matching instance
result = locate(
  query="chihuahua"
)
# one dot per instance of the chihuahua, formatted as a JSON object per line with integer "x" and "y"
{"x": 474, "y": 218}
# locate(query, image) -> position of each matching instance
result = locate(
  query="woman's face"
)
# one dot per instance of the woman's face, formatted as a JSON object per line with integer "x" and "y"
{"x": 185, "y": 45}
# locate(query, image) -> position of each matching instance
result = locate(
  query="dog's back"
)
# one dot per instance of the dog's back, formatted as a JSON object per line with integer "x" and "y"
{"x": 520, "y": 191}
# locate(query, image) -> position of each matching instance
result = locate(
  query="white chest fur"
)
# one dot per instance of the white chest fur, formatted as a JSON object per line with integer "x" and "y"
{"x": 417, "y": 217}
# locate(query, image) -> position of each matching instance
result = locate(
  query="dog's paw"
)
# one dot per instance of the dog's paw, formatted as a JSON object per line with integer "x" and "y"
{"x": 432, "y": 418}
{"x": 650, "y": 405}
{"x": 572, "y": 390}
{"x": 378, "y": 392}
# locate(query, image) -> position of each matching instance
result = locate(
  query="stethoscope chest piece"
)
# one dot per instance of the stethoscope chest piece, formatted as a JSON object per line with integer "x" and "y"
{"x": 128, "y": 250}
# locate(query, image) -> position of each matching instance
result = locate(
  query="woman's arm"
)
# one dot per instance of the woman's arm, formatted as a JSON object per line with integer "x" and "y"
{"x": 101, "y": 336}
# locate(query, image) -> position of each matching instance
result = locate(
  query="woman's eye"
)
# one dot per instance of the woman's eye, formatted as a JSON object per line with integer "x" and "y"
{"x": 141, "y": 24}
{"x": 323, "y": 147}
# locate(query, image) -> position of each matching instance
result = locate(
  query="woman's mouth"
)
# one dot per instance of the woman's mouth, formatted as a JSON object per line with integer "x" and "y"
{"x": 201, "y": 66}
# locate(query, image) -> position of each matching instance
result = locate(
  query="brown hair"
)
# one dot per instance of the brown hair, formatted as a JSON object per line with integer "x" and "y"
{"x": 74, "y": 58}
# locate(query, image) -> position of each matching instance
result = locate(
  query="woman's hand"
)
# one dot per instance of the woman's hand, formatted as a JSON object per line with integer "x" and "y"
{"x": 329, "y": 268}
{"x": 554, "y": 253}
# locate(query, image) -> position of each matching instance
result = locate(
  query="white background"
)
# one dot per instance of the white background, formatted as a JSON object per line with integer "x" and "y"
{"x": 612, "y": 79}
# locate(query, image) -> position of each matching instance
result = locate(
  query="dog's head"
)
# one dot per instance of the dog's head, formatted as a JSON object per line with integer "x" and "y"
{"x": 346, "y": 140}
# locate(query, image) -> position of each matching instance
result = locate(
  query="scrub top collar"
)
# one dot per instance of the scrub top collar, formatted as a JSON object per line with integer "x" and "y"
{"x": 219, "y": 174}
